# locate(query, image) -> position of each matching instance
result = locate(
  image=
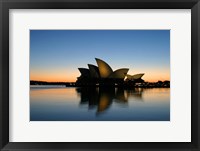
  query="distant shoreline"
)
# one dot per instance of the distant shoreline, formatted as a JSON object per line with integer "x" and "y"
{"x": 47, "y": 86}
{"x": 159, "y": 84}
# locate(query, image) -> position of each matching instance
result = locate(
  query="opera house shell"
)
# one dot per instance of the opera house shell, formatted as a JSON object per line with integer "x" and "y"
{"x": 103, "y": 74}
{"x": 136, "y": 77}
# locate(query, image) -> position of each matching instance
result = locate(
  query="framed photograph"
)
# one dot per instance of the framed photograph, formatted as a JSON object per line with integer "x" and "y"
{"x": 91, "y": 75}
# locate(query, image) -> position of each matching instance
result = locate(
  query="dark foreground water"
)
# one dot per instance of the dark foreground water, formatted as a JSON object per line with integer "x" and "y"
{"x": 99, "y": 104}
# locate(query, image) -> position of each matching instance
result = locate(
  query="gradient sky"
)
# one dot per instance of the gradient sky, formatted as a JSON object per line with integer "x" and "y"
{"x": 56, "y": 55}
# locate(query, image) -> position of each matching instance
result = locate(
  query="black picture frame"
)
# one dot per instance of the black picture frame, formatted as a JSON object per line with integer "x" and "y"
{"x": 5, "y": 5}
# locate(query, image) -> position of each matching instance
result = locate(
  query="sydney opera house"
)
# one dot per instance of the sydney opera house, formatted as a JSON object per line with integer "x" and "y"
{"x": 104, "y": 75}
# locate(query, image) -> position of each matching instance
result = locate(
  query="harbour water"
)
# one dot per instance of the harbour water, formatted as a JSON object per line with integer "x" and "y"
{"x": 99, "y": 104}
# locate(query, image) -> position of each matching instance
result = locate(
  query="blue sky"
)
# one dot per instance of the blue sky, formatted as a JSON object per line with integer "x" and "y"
{"x": 56, "y": 55}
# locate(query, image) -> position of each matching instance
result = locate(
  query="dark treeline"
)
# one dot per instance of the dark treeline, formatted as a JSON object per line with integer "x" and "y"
{"x": 50, "y": 83}
{"x": 159, "y": 84}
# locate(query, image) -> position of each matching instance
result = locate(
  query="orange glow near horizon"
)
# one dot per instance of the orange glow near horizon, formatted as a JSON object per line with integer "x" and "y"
{"x": 151, "y": 75}
{"x": 50, "y": 76}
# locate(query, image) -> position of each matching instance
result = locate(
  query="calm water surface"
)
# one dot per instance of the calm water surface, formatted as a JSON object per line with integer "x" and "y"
{"x": 97, "y": 104}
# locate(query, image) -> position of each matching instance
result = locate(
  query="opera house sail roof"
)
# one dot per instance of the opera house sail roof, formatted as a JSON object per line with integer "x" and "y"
{"x": 104, "y": 69}
{"x": 134, "y": 77}
{"x": 103, "y": 73}
{"x": 84, "y": 72}
{"x": 119, "y": 74}
{"x": 94, "y": 71}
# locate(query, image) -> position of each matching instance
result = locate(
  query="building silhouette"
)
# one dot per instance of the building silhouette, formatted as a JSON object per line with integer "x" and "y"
{"x": 104, "y": 75}
{"x": 102, "y": 98}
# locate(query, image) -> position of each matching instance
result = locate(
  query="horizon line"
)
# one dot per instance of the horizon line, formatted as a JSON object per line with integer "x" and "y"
{"x": 75, "y": 81}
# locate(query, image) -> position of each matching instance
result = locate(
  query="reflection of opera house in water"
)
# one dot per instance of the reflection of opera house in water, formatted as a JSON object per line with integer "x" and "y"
{"x": 102, "y": 98}
{"x": 104, "y": 75}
